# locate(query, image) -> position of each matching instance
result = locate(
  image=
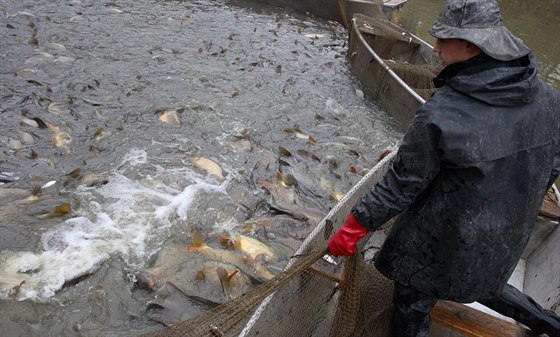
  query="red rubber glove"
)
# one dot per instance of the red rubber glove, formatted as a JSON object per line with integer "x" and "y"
{"x": 344, "y": 240}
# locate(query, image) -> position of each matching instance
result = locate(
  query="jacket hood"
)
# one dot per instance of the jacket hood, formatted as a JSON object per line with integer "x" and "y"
{"x": 499, "y": 83}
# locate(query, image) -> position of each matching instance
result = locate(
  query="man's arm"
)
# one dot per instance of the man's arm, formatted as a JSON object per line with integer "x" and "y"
{"x": 415, "y": 165}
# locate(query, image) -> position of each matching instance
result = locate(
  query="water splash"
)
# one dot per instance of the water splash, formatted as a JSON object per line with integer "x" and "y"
{"x": 126, "y": 218}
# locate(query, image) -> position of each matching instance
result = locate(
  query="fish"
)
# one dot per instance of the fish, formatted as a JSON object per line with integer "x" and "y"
{"x": 12, "y": 194}
{"x": 284, "y": 152}
{"x": 302, "y": 177}
{"x": 250, "y": 247}
{"x": 255, "y": 270}
{"x": 59, "y": 210}
{"x": 171, "y": 117}
{"x": 289, "y": 201}
{"x": 35, "y": 194}
{"x": 94, "y": 179}
{"x": 58, "y": 108}
{"x": 218, "y": 280}
{"x": 308, "y": 154}
{"x": 209, "y": 166}
{"x": 33, "y": 40}
{"x": 75, "y": 173}
{"x": 100, "y": 134}
{"x": 228, "y": 278}
{"x": 299, "y": 134}
{"x": 17, "y": 197}
{"x": 15, "y": 144}
{"x": 57, "y": 46}
{"x": 25, "y": 71}
{"x": 360, "y": 93}
{"x": 314, "y": 35}
{"x": 63, "y": 59}
{"x": 29, "y": 122}
{"x": 144, "y": 280}
{"x": 108, "y": 100}
{"x": 384, "y": 153}
{"x": 72, "y": 177}
{"x": 172, "y": 305}
{"x": 60, "y": 139}
{"x": 282, "y": 199}
{"x": 114, "y": 9}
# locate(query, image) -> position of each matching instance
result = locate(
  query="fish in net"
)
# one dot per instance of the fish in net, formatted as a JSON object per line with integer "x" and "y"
{"x": 313, "y": 296}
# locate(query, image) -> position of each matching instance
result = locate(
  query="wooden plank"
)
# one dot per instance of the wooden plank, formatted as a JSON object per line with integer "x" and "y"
{"x": 550, "y": 207}
{"x": 473, "y": 323}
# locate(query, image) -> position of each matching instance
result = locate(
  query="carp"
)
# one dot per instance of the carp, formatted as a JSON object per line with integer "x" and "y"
{"x": 255, "y": 270}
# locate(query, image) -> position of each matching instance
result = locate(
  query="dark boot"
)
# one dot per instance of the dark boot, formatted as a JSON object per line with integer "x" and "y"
{"x": 522, "y": 308}
{"x": 412, "y": 309}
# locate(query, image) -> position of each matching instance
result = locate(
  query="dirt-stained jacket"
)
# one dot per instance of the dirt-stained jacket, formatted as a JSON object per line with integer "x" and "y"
{"x": 468, "y": 180}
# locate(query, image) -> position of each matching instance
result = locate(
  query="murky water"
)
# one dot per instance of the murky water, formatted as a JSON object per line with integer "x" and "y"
{"x": 537, "y": 23}
{"x": 131, "y": 93}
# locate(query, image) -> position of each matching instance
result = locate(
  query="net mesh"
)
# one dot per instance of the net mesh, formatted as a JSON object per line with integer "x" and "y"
{"x": 417, "y": 76}
{"x": 401, "y": 52}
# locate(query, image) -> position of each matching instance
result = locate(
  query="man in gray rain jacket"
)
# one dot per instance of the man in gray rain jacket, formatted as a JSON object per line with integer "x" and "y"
{"x": 469, "y": 178}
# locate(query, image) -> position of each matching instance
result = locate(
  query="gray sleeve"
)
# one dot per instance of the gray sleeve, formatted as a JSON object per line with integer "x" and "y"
{"x": 415, "y": 165}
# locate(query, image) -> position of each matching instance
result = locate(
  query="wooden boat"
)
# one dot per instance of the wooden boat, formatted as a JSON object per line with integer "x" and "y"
{"x": 380, "y": 63}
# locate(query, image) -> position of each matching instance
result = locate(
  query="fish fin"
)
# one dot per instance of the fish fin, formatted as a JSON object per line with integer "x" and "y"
{"x": 197, "y": 244}
{"x": 36, "y": 190}
{"x": 225, "y": 241}
{"x": 74, "y": 173}
{"x": 224, "y": 279}
{"x": 232, "y": 275}
{"x": 281, "y": 179}
{"x": 222, "y": 274}
{"x": 200, "y": 276}
{"x": 59, "y": 210}
{"x": 35, "y": 194}
{"x": 236, "y": 243}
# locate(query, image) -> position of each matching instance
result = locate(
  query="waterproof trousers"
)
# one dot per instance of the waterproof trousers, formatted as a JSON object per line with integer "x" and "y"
{"x": 412, "y": 308}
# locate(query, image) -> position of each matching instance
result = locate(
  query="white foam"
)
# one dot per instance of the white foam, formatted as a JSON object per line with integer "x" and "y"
{"x": 126, "y": 218}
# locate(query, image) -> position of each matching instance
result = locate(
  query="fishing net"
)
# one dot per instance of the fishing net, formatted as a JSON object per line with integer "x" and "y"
{"x": 313, "y": 296}
{"x": 401, "y": 52}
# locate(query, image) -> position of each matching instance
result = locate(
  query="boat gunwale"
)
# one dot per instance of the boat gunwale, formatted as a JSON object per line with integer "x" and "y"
{"x": 382, "y": 62}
